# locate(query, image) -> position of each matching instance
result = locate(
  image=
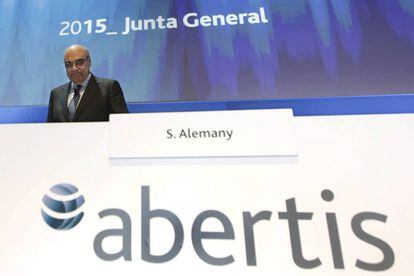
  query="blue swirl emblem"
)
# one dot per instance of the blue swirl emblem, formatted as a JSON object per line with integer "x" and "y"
{"x": 61, "y": 209}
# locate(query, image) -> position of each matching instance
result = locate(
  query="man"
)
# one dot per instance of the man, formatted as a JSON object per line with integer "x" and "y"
{"x": 85, "y": 98}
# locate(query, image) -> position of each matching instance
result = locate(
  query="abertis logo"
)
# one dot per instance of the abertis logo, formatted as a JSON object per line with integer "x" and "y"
{"x": 61, "y": 209}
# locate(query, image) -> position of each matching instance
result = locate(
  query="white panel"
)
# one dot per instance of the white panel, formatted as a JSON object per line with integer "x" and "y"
{"x": 366, "y": 161}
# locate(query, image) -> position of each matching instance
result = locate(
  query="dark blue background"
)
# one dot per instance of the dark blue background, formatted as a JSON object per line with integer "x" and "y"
{"x": 315, "y": 56}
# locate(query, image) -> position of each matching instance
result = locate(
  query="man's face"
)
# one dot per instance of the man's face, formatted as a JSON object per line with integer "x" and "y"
{"x": 77, "y": 64}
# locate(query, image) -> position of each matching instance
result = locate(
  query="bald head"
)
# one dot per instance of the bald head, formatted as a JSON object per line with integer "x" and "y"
{"x": 77, "y": 63}
{"x": 76, "y": 48}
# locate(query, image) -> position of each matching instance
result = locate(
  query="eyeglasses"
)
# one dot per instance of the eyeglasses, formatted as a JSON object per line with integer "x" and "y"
{"x": 78, "y": 63}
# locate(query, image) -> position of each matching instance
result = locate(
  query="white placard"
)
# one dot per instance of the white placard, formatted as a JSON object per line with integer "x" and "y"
{"x": 251, "y": 133}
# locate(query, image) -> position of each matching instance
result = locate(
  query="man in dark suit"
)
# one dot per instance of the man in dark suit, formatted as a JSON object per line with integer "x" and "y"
{"x": 86, "y": 98}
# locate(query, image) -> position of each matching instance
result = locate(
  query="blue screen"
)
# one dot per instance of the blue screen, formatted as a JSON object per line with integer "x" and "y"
{"x": 202, "y": 50}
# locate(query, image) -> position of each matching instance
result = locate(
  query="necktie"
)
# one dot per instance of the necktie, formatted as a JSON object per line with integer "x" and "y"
{"x": 74, "y": 102}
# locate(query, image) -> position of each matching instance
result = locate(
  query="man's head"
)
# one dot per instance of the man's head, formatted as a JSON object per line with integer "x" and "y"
{"x": 77, "y": 63}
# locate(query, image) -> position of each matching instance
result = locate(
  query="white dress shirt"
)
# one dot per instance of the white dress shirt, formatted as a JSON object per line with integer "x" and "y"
{"x": 81, "y": 91}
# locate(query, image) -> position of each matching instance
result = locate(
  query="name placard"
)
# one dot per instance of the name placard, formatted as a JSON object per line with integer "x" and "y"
{"x": 244, "y": 133}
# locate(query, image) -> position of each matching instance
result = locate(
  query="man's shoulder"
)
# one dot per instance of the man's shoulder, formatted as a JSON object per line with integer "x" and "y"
{"x": 62, "y": 87}
{"x": 104, "y": 80}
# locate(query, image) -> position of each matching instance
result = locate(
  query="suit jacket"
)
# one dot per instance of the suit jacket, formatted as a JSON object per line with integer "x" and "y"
{"x": 101, "y": 98}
